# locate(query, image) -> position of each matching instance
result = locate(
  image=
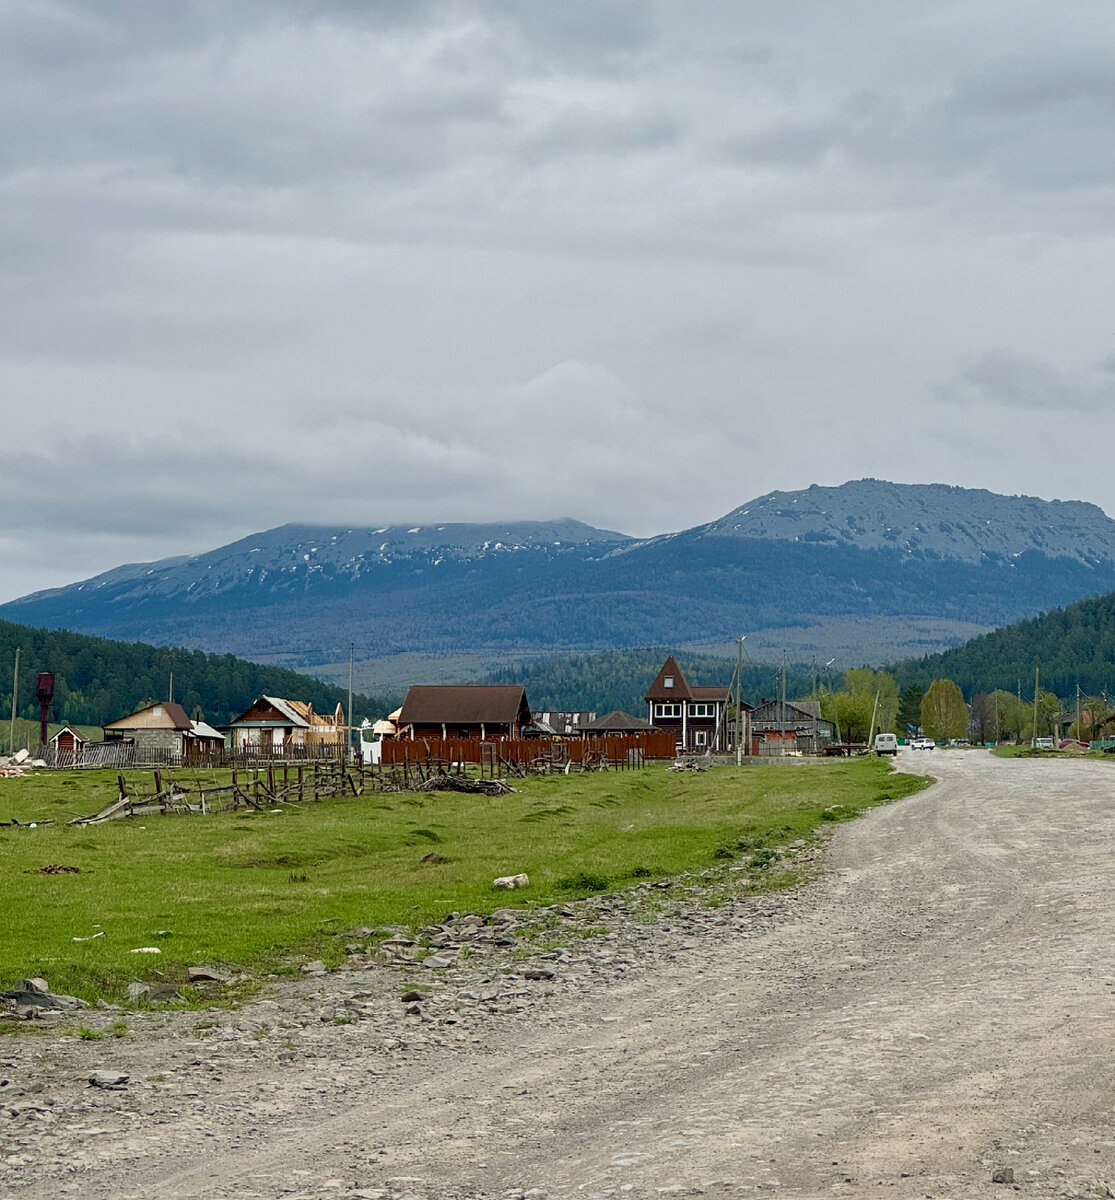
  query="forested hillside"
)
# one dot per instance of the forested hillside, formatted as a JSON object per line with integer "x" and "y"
{"x": 1071, "y": 645}
{"x": 97, "y": 680}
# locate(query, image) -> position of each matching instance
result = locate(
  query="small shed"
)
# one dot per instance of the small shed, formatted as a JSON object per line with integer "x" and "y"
{"x": 204, "y": 742}
{"x": 69, "y": 745}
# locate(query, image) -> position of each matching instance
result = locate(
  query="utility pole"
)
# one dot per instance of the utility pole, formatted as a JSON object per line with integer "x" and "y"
{"x": 739, "y": 702}
{"x": 170, "y": 689}
{"x": 874, "y": 710}
{"x": 816, "y": 702}
{"x": 782, "y": 704}
{"x": 1079, "y": 727}
{"x": 348, "y": 736}
{"x": 15, "y": 696}
{"x": 1034, "y": 739}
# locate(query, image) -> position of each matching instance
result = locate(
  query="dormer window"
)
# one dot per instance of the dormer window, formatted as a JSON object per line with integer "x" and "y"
{"x": 668, "y": 681}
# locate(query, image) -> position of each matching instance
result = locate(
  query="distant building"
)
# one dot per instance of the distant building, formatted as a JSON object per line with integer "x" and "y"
{"x": 782, "y": 727}
{"x": 484, "y": 711}
{"x": 696, "y": 714}
{"x": 616, "y": 721}
{"x": 564, "y": 724}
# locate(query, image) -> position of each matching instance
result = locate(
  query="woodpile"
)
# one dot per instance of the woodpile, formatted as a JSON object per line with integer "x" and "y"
{"x": 464, "y": 783}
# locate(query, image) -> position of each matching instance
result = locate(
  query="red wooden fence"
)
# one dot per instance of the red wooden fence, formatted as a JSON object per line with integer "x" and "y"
{"x": 652, "y": 744}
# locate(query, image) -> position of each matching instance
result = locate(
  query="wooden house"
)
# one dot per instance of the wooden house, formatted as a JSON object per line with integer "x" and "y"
{"x": 564, "y": 724}
{"x": 480, "y": 711}
{"x": 694, "y": 713}
{"x": 782, "y": 727}
{"x": 274, "y": 725}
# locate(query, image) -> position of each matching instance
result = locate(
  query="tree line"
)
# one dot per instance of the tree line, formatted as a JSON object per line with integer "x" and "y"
{"x": 97, "y": 680}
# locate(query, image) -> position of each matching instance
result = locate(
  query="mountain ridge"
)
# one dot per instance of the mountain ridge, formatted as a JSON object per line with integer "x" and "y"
{"x": 868, "y": 551}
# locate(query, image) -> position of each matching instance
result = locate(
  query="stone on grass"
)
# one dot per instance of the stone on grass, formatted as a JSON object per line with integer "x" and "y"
{"x": 510, "y": 882}
{"x": 207, "y": 975}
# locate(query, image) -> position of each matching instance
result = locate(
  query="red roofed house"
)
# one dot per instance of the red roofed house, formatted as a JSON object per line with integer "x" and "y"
{"x": 68, "y": 745}
{"x": 482, "y": 711}
{"x": 694, "y": 713}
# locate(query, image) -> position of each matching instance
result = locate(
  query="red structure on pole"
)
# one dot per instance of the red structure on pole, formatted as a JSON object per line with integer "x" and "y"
{"x": 44, "y": 689}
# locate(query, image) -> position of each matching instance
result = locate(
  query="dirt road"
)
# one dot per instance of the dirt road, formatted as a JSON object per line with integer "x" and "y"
{"x": 939, "y": 1006}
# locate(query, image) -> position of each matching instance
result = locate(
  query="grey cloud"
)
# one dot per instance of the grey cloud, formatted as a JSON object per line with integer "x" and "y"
{"x": 414, "y": 260}
{"x": 1022, "y": 382}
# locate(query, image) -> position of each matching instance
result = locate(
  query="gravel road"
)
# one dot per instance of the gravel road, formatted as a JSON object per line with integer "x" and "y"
{"x": 935, "y": 1009}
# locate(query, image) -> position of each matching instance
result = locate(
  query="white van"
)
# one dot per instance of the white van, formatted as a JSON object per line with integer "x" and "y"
{"x": 886, "y": 743}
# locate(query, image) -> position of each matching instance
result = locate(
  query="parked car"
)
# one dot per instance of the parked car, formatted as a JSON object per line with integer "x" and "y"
{"x": 1046, "y": 743}
{"x": 923, "y": 743}
{"x": 886, "y": 743}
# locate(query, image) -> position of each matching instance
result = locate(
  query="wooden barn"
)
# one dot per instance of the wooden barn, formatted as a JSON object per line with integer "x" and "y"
{"x": 484, "y": 712}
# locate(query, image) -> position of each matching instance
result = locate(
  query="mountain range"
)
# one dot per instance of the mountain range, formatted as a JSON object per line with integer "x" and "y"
{"x": 869, "y": 571}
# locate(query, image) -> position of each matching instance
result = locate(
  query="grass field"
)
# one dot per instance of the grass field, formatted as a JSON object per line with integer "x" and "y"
{"x": 259, "y": 892}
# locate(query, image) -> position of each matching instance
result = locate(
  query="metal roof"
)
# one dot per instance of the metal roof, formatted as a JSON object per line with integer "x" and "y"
{"x": 164, "y": 715}
{"x": 465, "y": 704}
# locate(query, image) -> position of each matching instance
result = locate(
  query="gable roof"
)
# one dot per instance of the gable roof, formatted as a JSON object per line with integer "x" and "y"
{"x": 78, "y": 737}
{"x": 772, "y": 712}
{"x": 299, "y": 713}
{"x": 617, "y": 721}
{"x": 465, "y": 704}
{"x": 680, "y": 689}
{"x": 163, "y": 715}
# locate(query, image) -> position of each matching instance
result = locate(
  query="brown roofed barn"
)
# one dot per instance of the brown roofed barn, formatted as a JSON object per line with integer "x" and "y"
{"x": 479, "y": 711}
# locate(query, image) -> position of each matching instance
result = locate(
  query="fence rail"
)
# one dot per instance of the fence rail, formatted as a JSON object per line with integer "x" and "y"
{"x": 622, "y": 748}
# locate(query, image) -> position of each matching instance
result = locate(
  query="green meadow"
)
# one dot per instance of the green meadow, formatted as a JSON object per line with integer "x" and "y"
{"x": 259, "y": 892}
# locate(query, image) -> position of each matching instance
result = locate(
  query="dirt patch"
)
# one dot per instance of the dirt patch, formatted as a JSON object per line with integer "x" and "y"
{"x": 936, "y": 1010}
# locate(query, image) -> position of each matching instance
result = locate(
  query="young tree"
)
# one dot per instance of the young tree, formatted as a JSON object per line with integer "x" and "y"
{"x": 943, "y": 711}
{"x": 1011, "y": 714}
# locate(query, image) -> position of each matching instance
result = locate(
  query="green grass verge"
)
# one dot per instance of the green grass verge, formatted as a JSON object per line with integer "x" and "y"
{"x": 256, "y": 891}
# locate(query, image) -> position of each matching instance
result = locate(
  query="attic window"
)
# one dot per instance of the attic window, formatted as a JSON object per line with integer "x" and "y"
{"x": 668, "y": 681}
{"x": 157, "y": 711}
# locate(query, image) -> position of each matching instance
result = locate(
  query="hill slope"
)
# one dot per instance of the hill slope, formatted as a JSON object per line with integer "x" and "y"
{"x": 97, "y": 680}
{"x": 1071, "y": 645}
{"x": 868, "y": 557}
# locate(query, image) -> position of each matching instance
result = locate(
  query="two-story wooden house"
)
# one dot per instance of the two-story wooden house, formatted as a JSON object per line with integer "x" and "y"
{"x": 694, "y": 713}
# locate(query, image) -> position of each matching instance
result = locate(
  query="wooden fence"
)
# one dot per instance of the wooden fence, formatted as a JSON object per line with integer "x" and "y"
{"x": 621, "y": 749}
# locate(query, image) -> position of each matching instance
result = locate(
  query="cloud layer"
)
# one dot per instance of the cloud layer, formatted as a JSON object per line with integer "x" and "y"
{"x": 633, "y": 263}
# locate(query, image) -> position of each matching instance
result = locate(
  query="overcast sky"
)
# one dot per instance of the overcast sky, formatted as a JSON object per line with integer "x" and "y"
{"x": 369, "y": 261}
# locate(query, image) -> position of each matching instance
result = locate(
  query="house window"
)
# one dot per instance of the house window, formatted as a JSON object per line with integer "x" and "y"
{"x": 701, "y": 737}
{"x": 668, "y": 681}
{"x": 702, "y": 710}
{"x": 667, "y": 710}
